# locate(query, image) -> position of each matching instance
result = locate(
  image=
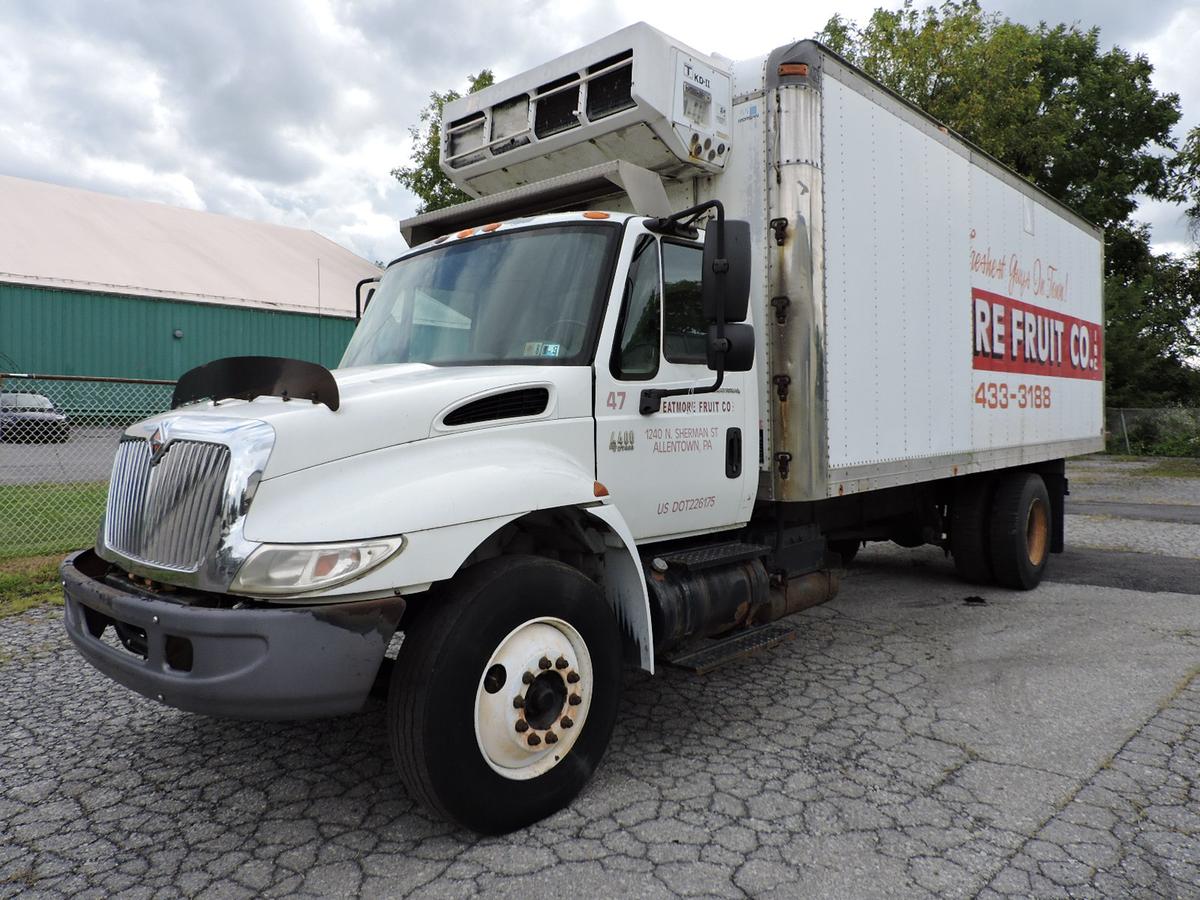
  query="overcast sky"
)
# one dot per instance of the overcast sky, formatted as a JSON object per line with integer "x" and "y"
{"x": 295, "y": 111}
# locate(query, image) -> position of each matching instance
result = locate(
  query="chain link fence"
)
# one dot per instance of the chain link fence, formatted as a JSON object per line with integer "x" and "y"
{"x": 1154, "y": 432}
{"x": 58, "y": 437}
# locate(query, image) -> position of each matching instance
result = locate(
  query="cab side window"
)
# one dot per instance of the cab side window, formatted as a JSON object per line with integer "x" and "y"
{"x": 635, "y": 353}
{"x": 686, "y": 330}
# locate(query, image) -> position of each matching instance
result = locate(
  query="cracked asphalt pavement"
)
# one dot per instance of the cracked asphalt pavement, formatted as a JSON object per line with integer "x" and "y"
{"x": 919, "y": 737}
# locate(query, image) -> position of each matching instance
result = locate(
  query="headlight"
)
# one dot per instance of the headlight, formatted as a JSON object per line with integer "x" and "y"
{"x": 301, "y": 568}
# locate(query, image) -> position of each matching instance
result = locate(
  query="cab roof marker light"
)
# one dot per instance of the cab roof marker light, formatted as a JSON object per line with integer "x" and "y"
{"x": 594, "y": 214}
{"x": 465, "y": 233}
{"x": 491, "y": 227}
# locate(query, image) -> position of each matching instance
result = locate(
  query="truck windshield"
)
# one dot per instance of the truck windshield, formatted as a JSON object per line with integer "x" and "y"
{"x": 530, "y": 296}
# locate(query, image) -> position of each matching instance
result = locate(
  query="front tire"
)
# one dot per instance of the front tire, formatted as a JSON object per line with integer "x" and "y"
{"x": 505, "y": 693}
{"x": 1020, "y": 531}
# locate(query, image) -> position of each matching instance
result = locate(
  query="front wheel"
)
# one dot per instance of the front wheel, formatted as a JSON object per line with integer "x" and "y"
{"x": 505, "y": 693}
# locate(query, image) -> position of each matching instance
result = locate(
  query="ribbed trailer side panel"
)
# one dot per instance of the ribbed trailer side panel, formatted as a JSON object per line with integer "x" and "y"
{"x": 896, "y": 206}
{"x": 958, "y": 303}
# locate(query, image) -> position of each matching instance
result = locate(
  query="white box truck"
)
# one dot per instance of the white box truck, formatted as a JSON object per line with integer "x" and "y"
{"x": 705, "y": 327}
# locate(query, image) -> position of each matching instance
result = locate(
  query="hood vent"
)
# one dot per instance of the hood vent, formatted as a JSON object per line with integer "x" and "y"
{"x": 509, "y": 405}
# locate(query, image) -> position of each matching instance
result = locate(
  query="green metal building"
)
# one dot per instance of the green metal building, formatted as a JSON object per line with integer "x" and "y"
{"x": 96, "y": 285}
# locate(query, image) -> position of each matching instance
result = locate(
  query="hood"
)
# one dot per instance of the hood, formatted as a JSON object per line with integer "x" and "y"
{"x": 383, "y": 406}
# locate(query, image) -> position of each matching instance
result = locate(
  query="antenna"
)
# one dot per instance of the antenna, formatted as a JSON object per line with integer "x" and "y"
{"x": 320, "y": 323}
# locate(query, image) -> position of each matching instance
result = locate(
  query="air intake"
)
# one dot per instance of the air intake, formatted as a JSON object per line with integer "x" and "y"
{"x": 166, "y": 512}
{"x": 509, "y": 405}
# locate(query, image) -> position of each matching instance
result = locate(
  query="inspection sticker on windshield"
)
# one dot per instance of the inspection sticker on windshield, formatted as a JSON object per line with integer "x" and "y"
{"x": 539, "y": 348}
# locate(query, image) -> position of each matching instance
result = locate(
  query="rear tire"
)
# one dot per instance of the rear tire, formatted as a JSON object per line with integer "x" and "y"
{"x": 845, "y": 549}
{"x": 970, "y": 544}
{"x": 463, "y": 747}
{"x": 1020, "y": 531}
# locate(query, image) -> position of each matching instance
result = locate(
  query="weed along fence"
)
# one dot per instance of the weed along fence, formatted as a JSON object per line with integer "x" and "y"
{"x": 58, "y": 437}
{"x": 1154, "y": 432}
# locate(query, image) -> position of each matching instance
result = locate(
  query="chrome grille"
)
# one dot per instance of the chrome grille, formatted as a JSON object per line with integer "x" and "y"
{"x": 166, "y": 514}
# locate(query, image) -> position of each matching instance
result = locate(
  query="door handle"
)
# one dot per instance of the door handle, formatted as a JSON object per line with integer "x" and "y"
{"x": 733, "y": 452}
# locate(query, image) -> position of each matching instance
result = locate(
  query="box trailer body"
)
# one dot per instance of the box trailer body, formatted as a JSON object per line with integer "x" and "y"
{"x": 704, "y": 329}
{"x": 917, "y": 246}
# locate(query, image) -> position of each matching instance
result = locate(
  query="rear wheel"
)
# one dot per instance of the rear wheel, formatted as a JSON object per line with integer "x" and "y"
{"x": 1020, "y": 530}
{"x": 505, "y": 693}
{"x": 845, "y": 549}
{"x": 969, "y": 530}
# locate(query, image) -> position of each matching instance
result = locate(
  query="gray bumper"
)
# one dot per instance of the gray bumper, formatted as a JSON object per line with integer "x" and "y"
{"x": 284, "y": 663}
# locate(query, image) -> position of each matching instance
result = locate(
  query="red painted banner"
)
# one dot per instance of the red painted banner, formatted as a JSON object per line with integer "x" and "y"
{"x": 1013, "y": 336}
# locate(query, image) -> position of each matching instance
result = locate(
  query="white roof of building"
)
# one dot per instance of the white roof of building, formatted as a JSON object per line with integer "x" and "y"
{"x": 55, "y": 236}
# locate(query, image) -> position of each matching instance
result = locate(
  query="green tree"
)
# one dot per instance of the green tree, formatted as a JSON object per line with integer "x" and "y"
{"x": 1151, "y": 333}
{"x": 1083, "y": 124}
{"x": 1186, "y": 178}
{"x": 424, "y": 176}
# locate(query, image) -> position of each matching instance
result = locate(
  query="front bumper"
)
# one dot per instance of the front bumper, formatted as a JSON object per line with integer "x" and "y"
{"x": 261, "y": 663}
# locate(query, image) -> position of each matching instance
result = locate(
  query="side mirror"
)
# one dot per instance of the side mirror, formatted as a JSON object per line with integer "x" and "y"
{"x": 739, "y": 347}
{"x": 724, "y": 296}
{"x": 729, "y": 288}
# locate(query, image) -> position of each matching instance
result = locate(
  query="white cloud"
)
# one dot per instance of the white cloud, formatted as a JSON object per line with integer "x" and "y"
{"x": 295, "y": 112}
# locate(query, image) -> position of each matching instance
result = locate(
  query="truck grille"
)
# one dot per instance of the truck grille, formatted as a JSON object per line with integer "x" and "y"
{"x": 166, "y": 514}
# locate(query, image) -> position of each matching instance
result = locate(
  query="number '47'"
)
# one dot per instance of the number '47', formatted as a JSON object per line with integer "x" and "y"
{"x": 616, "y": 400}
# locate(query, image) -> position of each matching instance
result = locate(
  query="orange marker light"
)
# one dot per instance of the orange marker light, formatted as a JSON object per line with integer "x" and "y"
{"x": 466, "y": 232}
{"x": 492, "y": 227}
{"x": 592, "y": 214}
{"x": 800, "y": 69}
{"x": 599, "y": 490}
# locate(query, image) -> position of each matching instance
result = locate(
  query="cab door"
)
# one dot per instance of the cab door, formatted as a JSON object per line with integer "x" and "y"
{"x": 691, "y": 467}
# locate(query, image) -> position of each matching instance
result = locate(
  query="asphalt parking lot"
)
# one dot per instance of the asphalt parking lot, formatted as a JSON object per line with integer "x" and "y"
{"x": 918, "y": 738}
{"x": 86, "y": 455}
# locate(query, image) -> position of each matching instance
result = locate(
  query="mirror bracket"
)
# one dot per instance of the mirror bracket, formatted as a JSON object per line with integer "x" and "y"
{"x": 651, "y": 398}
{"x": 359, "y": 306}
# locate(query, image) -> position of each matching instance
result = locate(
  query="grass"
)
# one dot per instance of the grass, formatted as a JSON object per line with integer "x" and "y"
{"x": 39, "y": 524}
{"x": 29, "y": 582}
{"x": 1173, "y": 467}
{"x": 42, "y": 519}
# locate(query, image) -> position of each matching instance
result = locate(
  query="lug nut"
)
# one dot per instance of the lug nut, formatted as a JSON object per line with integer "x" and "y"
{"x": 518, "y": 702}
{"x": 533, "y": 740}
{"x": 527, "y": 678}
{"x": 575, "y": 700}
{"x": 544, "y": 663}
{"x": 551, "y": 737}
{"x": 572, "y": 677}
{"x": 561, "y": 663}
{"x": 566, "y": 722}
{"x": 522, "y": 725}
